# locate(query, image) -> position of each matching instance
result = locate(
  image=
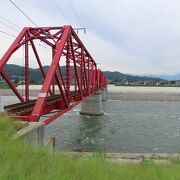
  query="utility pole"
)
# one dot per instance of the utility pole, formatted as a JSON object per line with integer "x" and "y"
{"x": 80, "y": 29}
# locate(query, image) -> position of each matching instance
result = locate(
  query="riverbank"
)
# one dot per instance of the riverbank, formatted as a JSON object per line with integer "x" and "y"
{"x": 144, "y": 96}
{"x": 121, "y": 95}
{"x": 42, "y": 165}
{"x": 9, "y": 92}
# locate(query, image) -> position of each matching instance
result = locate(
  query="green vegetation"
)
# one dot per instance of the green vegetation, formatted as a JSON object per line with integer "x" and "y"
{"x": 16, "y": 73}
{"x": 18, "y": 161}
{"x": 4, "y": 86}
{"x": 119, "y": 77}
{"x": 147, "y": 85}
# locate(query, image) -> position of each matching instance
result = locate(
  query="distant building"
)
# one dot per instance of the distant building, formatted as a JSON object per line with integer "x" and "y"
{"x": 21, "y": 82}
{"x": 127, "y": 82}
{"x": 157, "y": 83}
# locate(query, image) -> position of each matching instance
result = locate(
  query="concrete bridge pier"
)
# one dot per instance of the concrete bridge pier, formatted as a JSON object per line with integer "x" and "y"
{"x": 92, "y": 105}
{"x": 104, "y": 94}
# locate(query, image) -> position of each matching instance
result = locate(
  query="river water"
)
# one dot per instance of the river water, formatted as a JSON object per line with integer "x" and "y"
{"x": 126, "y": 126}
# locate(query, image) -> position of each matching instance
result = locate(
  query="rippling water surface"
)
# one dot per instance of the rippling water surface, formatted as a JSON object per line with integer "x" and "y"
{"x": 126, "y": 126}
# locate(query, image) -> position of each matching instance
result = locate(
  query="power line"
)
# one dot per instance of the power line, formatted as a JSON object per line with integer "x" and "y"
{"x": 8, "y": 26}
{"x": 7, "y": 33}
{"x": 10, "y": 22}
{"x": 24, "y": 13}
{"x": 76, "y": 14}
{"x": 60, "y": 10}
{"x": 92, "y": 47}
{"x": 79, "y": 21}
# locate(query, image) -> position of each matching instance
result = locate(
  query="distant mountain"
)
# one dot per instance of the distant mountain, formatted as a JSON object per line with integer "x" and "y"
{"x": 17, "y": 72}
{"x": 117, "y": 76}
{"x": 167, "y": 77}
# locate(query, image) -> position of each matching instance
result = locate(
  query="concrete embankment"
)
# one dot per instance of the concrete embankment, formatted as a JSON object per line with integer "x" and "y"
{"x": 135, "y": 158}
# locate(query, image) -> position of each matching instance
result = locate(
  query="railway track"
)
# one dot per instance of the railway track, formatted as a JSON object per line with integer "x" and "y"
{"x": 25, "y": 108}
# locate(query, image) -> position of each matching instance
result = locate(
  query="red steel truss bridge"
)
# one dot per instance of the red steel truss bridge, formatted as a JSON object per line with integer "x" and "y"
{"x": 81, "y": 78}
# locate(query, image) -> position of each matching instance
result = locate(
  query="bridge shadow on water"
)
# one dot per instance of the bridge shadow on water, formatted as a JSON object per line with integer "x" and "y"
{"x": 126, "y": 126}
{"x": 89, "y": 137}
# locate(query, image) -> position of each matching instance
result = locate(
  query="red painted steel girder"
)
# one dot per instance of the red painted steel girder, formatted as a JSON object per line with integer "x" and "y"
{"x": 82, "y": 77}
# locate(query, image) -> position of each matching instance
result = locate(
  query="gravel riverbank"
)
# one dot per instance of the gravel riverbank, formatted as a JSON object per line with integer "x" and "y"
{"x": 148, "y": 96}
{"x": 144, "y": 96}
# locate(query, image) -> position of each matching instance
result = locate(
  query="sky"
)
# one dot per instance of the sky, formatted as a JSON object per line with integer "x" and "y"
{"x": 130, "y": 36}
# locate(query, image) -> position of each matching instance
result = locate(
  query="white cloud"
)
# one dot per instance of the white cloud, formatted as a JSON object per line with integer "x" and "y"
{"x": 149, "y": 29}
{"x": 133, "y": 36}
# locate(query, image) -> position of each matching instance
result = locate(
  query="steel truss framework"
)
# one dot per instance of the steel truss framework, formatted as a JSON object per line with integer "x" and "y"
{"x": 82, "y": 78}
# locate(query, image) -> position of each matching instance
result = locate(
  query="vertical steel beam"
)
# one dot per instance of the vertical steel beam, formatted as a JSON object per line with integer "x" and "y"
{"x": 68, "y": 74}
{"x": 88, "y": 83}
{"x": 81, "y": 71}
{"x": 53, "y": 82}
{"x": 75, "y": 68}
{"x": 84, "y": 72}
{"x": 26, "y": 69}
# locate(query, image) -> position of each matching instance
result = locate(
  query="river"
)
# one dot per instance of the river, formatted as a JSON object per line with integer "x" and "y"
{"x": 126, "y": 126}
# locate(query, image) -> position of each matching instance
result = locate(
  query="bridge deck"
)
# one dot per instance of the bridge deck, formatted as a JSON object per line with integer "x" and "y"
{"x": 26, "y": 108}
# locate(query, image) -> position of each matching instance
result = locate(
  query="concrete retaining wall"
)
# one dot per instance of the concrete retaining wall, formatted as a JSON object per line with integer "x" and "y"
{"x": 135, "y": 158}
{"x": 33, "y": 134}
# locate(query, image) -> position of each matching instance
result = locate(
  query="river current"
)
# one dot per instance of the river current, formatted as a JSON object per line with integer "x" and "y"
{"x": 126, "y": 126}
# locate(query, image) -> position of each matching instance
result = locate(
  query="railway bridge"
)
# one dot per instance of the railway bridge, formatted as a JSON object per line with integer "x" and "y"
{"x": 80, "y": 80}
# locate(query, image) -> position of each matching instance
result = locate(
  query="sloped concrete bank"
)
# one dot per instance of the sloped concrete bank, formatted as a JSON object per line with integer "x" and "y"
{"x": 34, "y": 133}
{"x": 135, "y": 158}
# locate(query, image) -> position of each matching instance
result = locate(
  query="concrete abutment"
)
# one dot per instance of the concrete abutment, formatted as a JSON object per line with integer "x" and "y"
{"x": 34, "y": 133}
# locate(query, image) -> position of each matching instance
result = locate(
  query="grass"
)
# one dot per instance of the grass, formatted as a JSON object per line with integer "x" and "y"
{"x": 18, "y": 161}
{"x": 4, "y": 86}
